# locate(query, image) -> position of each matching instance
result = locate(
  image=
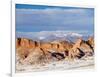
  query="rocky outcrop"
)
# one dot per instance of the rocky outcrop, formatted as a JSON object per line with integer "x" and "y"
{"x": 35, "y": 57}
{"x": 31, "y": 52}
{"x": 82, "y": 48}
{"x": 90, "y": 42}
{"x": 26, "y": 43}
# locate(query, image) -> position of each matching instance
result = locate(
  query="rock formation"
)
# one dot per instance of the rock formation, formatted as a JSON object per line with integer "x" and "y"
{"x": 32, "y": 52}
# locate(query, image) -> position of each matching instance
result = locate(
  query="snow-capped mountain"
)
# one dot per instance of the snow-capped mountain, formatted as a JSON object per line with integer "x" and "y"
{"x": 52, "y": 35}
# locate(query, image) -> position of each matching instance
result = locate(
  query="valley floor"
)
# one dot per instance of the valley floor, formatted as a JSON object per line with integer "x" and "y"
{"x": 84, "y": 63}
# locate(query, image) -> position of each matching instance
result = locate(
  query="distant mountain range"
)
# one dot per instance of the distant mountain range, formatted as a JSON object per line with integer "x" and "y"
{"x": 53, "y": 35}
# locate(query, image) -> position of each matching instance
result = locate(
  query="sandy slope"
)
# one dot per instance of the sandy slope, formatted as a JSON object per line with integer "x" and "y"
{"x": 84, "y": 63}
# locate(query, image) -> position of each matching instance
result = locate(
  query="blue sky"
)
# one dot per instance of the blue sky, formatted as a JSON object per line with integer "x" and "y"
{"x": 34, "y": 18}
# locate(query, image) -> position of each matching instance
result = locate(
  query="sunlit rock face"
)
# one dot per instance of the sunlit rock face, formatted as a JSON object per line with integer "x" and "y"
{"x": 91, "y": 41}
{"x": 26, "y": 43}
{"x": 85, "y": 46}
{"x": 30, "y": 52}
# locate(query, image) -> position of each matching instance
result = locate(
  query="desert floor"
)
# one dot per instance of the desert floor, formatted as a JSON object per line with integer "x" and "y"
{"x": 79, "y": 64}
